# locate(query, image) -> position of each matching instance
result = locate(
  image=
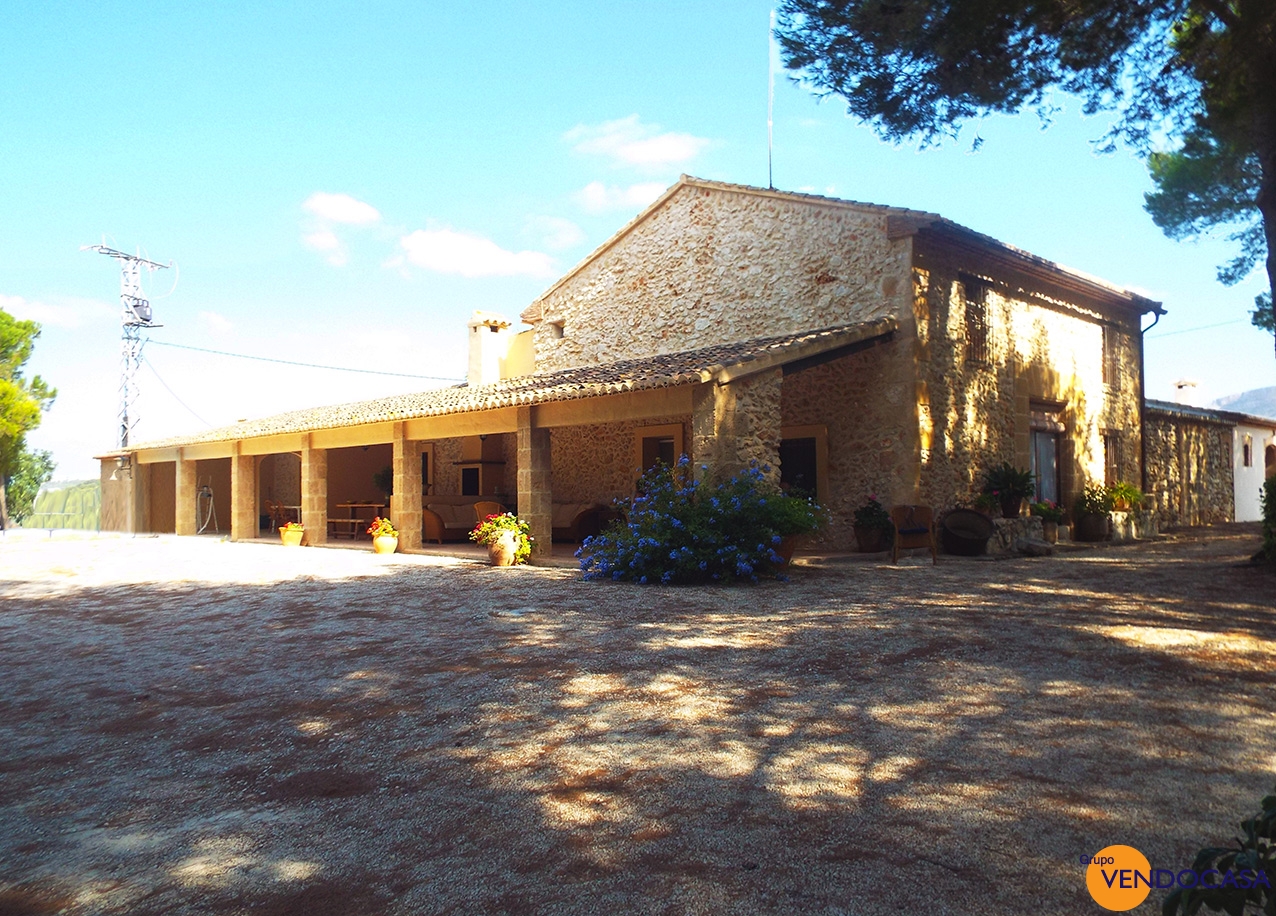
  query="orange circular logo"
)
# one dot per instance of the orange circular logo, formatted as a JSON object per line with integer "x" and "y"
{"x": 1118, "y": 877}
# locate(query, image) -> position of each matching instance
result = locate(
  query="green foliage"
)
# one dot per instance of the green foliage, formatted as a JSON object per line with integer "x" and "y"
{"x": 1093, "y": 500}
{"x": 1128, "y": 493}
{"x": 1256, "y": 852}
{"x": 1047, "y": 511}
{"x": 683, "y": 531}
{"x": 1006, "y": 482}
{"x": 77, "y": 506}
{"x": 1269, "y": 520}
{"x": 22, "y": 400}
{"x": 383, "y": 480}
{"x": 1195, "y": 73}
{"x": 873, "y": 515}
{"x": 1263, "y": 317}
{"x": 491, "y": 528}
{"x": 34, "y": 470}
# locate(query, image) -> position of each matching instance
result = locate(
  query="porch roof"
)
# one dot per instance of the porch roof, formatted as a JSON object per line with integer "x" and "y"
{"x": 722, "y": 363}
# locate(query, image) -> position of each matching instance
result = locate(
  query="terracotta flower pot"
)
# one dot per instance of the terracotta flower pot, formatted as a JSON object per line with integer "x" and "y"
{"x": 292, "y": 538}
{"x": 384, "y": 543}
{"x": 504, "y": 550}
{"x": 784, "y": 550}
{"x": 1050, "y": 531}
{"x": 871, "y": 540}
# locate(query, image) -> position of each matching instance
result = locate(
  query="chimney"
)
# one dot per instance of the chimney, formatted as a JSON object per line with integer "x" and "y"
{"x": 489, "y": 342}
{"x": 1186, "y": 393}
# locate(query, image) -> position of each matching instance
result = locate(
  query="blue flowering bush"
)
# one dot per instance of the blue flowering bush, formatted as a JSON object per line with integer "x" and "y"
{"x": 681, "y": 531}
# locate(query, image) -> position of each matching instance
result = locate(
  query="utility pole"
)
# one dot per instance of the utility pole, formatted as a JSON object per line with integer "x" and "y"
{"x": 135, "y": 316}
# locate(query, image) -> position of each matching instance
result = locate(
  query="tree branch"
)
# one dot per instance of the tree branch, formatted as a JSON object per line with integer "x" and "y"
{"x": 1222, "y": 12}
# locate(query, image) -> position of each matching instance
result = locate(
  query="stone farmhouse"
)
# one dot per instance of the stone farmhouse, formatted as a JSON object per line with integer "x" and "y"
{"x": 849, "y": 347}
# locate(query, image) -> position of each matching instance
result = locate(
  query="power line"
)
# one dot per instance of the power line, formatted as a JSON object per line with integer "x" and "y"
{"x": 289, "y": 362}
{"x": 1204, "y": 327}
{"x": 174, "y": 393}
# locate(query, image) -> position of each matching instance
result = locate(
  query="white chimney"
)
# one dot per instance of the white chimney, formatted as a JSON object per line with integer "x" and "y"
{"x": 489, "y": 342}
{"x": 1186, "y": 393}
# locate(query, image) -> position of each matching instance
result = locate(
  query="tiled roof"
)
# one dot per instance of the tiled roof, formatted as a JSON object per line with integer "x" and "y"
{"x": 662, "y": 371}
{"x": 1211, "y": 414}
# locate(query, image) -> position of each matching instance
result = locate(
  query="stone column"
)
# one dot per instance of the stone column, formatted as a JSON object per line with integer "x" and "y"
{"x": 405, "y": 509}
{"x": 243, "y": 496}
{"x": 314, "y": 493}
{"x": 535, "y": 499}
{"x": 184, "y": 510}
{"x": 737, "y": 423}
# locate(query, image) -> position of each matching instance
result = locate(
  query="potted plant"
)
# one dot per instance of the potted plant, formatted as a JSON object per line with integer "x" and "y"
{"x": 988, "y": 504}
{"x": 291, "y": 534}
{"x": 1126, "y": 497}
{"x": 1051, "y": 515}
{"x": 1010, "y": 486}
{"x": 873, "y": 529}
{"x": 383, "y": 480}
{"x": 508, "y": 538}
{"x": 792, "y": 518}
{"x": 385, "y": 538}
{"x": 1091, "y": 511}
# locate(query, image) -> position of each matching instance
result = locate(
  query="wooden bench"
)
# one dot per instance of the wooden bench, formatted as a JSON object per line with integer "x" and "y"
{"x": 347, "y": 527}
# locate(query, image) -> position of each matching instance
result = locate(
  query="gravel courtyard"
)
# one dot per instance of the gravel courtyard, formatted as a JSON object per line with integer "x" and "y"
{"x": 189, "y": 726}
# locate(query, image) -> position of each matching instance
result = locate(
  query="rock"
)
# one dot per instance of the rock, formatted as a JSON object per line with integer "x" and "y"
{"x": 1034, "y": 547}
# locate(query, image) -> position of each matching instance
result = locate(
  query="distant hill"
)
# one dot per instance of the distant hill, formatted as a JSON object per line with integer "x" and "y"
{"x": 1260, "y": 402}
{"x": 67, "y": 504}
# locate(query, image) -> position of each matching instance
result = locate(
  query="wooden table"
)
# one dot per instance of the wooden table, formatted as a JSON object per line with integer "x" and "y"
{"x": 355, "y": 524}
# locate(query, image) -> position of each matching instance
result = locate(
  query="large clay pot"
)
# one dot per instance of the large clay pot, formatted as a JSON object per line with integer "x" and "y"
{"x": 1050, "y": 531}
{"x": 292, "y": 538}
{"x": 784, "y": 550}
{"x": 503, "y": 550}
{"x": 965, "y": 533}
{"x": 871, "y": 540}
{"x": 1091, "y": 527}
{"x": 384, "y": 543}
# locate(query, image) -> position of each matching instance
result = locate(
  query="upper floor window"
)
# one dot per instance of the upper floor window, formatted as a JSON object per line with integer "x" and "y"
{"x": 976, "y": 295}
{"x": 1112, "y": 342}
{"x": 1111, "y": 457}
{"x": 1247, "y": 452}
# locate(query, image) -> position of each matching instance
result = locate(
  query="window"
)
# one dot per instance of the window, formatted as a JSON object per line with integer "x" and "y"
{"x": 804, "y": 454}
{"x": 1111, "y": 458}
{"x": 1045, "y": 465}
{"x": 470, "y": 481}
{"x": 1247, "y": 452}
{"x": 976, "y": 295}
{"x": 657, "y": 444}
{"x": 1112, "y": 343}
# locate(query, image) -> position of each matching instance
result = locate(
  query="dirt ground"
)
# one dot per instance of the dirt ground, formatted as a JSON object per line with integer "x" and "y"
{"x": 189, "y": 726}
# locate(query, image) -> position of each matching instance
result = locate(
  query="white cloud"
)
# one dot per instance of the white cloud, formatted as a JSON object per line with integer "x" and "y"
{"x": 450, "y": 252}
{"x": 597, "y": 197}
{"x": 555, "y": 232}
{"x": 215, "y": 323}
{"x": 341, "y": 208}
{"x": 326, "y": 241}
{"x": 629, "y": 142}
{"x": 69, "y": 313}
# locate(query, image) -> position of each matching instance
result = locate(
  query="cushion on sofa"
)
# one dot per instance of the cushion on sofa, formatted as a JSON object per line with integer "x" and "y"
{"x": 461, "y": 516}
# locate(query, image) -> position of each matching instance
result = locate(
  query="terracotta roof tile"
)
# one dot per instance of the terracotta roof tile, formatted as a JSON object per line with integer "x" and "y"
{"x": 662, "y": 371}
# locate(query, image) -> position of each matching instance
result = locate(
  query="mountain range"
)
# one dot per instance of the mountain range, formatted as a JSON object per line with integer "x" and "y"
{"x": 1258, "y": 402}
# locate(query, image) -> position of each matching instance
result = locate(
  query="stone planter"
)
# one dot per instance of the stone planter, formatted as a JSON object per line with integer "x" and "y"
{"x": 292, "y": 538}
{"x": 384, "y": 543}
{"x": 503, "y": 550}
{"x": 871, "y": 540}
{"x": 1091, "y": 527}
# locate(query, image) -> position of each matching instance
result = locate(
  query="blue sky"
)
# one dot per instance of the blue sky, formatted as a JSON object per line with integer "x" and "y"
{"x": 343, "y": 185}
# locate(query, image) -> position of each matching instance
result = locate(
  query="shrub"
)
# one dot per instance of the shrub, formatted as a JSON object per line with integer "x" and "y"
{"x": 681, "y": 531}
{"x": 1007, "y": 482}
{"x": 1126, "y": 492}
{"x": 1093, "y": 501}
{"x": 873, "y": 515}
{"x": 1255, "y": 853}
{"x": 1047, "y": 511}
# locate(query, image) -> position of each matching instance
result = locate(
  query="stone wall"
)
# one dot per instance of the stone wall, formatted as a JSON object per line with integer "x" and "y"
{"x": 1189, "y": 469}
{"x": 866, "y": 401}
{"x": 718, "y": 266}
{"x": 595, "y": 463}
{"x": 1045, "y": 348}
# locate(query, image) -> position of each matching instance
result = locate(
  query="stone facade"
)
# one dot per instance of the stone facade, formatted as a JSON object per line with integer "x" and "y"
{"x": 1189, "y": 462}
{"x": 597, "y": 462}
{"x": 1045, "y": 352}
{"x": 719, "y": 266}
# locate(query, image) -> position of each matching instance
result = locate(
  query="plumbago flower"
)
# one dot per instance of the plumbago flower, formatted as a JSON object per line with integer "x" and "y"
{"x": 681, "y": 530}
